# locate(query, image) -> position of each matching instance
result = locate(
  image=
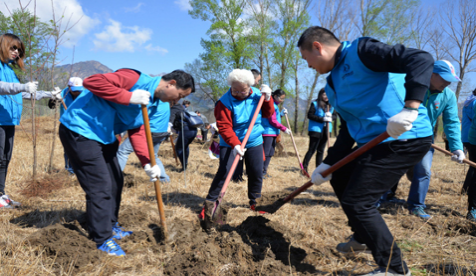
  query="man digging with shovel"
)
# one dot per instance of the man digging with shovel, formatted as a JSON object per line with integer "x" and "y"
{"x": 234, "y": 112}
{"x": 375, "y": 88}
{"x": 88, "y": 127}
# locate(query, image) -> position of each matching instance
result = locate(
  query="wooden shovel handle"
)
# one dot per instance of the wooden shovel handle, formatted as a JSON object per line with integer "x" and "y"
{"x": 472, "y": 164}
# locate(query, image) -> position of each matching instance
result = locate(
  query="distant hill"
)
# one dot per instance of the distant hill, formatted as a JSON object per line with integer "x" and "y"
{"x": 82, "y": 69}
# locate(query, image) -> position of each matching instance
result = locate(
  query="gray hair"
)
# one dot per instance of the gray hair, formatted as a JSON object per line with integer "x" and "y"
{"x": 241, "y": 76}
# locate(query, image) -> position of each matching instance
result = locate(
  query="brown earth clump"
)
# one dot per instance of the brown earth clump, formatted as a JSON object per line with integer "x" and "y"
{"x": 44, "y": 186}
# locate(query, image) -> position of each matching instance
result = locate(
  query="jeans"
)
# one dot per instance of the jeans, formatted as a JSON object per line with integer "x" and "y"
{"x": 420, "y": 181}
{"x": 67, "y": 164}
{"x": 7, "y": 134}
{"x": 126, "y": 148}
{"x": 360, "y": 184}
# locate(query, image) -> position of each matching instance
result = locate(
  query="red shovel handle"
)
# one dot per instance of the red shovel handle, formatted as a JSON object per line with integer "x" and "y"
{"x": 372, "y": 143}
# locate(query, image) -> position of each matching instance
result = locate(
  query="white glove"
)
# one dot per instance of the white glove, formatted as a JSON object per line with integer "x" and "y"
{"x": 288, "y": 131}
{"x": 31, "y": 87}
{"x": 266, "y": 91}
{"x": 140, "y": 96}
{"x": 327, "y": 119}
{"x": 152, "y": 172}
{"x": 56, "y": 94}
{"x": 458, "y": 156}
{"x": 328, "y": 114}
{"x": 237, "y": 150}
{"x": 401, "y": 122}
{"x": 285, "y": 111}
{"x": 316, "y": 176}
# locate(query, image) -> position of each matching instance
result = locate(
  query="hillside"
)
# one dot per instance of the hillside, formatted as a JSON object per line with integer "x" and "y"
{"x": 82, "y": 69}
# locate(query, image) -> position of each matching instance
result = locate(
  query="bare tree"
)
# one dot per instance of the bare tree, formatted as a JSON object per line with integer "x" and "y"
{"x": 420, "y": 23}
{"x": 459, "y": 24}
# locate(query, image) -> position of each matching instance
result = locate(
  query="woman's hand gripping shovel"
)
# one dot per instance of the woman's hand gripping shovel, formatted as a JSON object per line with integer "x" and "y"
{"x": 296, "y": 150}
{"x": 280, "y": 202}
{"x": 472, "y": 164}
{"x": 218, "y": 215}
{"x": 150, "y": 145}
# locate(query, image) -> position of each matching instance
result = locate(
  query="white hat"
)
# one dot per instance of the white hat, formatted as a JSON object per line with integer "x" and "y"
{"x": 76, "y": 84}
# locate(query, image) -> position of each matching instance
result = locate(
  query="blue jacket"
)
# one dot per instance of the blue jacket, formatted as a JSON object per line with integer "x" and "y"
{"x": 467, "y": 119}
{"x": 317, "y": 126}
{"x": 159, "y": 114}
{"x": 98, "y": 119}
{"x": 269, "y": 129}
{"x": 67, "y": 100}
{"x": 11, "y": 106}
{"x": 366, "y": 99}
{"x": 242, "y": 111}
{"x": 445, "y": 102}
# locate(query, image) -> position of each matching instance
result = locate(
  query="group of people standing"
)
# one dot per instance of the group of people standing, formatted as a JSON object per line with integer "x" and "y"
{"x": 373, "y": 87}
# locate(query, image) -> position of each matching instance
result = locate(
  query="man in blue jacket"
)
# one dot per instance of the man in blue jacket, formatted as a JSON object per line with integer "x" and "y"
{"x": 375, "y": 88}
{"x": 439, "y": 100}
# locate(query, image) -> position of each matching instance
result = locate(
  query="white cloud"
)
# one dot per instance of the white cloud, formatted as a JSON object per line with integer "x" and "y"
{"x": 135, "y": 9}
{"x": 184, "y": 5}
{"x": 118, "y": 38}
{"x": 71, "y": 10}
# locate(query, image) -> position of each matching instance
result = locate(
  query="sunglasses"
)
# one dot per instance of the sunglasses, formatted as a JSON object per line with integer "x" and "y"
{"x": 15, "y": 48}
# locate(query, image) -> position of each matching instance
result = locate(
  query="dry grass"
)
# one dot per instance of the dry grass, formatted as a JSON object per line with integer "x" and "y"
{"x": 443, "y": 245}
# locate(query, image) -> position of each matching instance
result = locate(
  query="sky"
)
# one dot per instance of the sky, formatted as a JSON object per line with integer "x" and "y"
{"x": 152, "y": 36}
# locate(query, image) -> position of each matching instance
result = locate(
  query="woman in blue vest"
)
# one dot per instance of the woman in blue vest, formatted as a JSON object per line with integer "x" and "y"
{"x": 272, "y": 126}
{"x": 233, "y": 113}
{"x": 319, "y": 124}
{"x": 12, "y": 52}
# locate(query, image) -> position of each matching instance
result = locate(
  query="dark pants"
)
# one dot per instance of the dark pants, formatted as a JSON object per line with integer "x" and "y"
{"x": 238, "y": 174}
{"x": 269, "y": 144}
{"x": 361, "y": 183}
{"x": 318, "y": 144}
{"x": 472, "y": 183}
{"x": 100, "y": 176}
{"x": 254, "y": 166}
{"x": 469, "y": 174}
{"x": 204, "y": 134}
{"x": 7, "y": 134}
{"x": 182, "y": 144}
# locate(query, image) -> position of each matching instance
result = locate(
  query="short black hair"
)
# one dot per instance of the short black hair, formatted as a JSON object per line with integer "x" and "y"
{"x": 185, "y": 102}
{"x": 184, "y": 80}
{"x": 474, "y": 92}
{"x": 278, "y": 93}
{"x": 316, "y": 33}
{"x": 255, "y": 73}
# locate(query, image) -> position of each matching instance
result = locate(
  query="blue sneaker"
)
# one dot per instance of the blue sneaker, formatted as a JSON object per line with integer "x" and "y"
{"x": 119, "y": 233}
{"x": 418, "y": 211}
{"x": 112, "y": 248}
{"x": 471, "y": 215}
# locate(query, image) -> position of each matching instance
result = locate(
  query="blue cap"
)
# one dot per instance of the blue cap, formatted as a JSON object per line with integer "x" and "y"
{"x": 446, "y": 70}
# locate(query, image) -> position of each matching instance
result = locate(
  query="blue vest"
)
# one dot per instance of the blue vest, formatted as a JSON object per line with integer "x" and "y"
{"x": 366, "y": 99}
{"x": 159, "y": 115}
{"x": 67, "y": 100}
{"x": 269, "y": 129}
{"x": 99, "y": 120}
{"x": 11, "y": 106}
{"x": 318, "y": 126}
{"x": 242, "y": 112}
{"x": 467, "y": 120}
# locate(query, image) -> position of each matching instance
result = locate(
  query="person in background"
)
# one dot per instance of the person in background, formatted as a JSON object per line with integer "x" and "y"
{"x": 320, "y": 123}
{"x": 205, "y": 127}
{"x": 12, "y": 52}
{"x": 466, "y": 122}
{"x": 68, "y": 95}
{"x": 186, "y": 132}
{"x": 159, "y": 114}
{"x": 272, "y": 126}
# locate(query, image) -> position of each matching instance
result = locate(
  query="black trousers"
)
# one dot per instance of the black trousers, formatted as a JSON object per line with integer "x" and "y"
{"x": 269, "y": 144}
{"x": 469, "y": 174}
{"x": 181, "y": 147}
{"x": 254, "y": 167}
{"x": 360, "y": 184}
{"x": 472, "y": 183}
{"x": 7, "y": 135}
{"x": 316, "y": 143}
{"x": 204, "y": 134}
{"x": 100, "y": 176}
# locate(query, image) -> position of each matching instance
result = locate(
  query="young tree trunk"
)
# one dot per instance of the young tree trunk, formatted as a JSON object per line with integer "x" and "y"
{"x": 296, "y": 102}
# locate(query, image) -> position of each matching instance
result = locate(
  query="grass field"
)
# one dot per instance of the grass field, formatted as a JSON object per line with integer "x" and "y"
{"x": 47, "y": 235}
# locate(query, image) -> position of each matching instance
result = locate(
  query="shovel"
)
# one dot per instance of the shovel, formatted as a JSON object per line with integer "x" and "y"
{"x": 150, "y": 145}
{"x": 218, "y": 215}
{"x": 472, "y": 164}
{"x": 296, "y": 150}
{"x": 171, "y": 137}
{"x": 280, "y": 202}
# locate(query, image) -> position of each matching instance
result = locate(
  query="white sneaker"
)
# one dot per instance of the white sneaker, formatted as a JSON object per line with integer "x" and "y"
{"x": 382, "y": 271}
{"x": 4, "y": 204}
{"x": 10, "y": 202}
